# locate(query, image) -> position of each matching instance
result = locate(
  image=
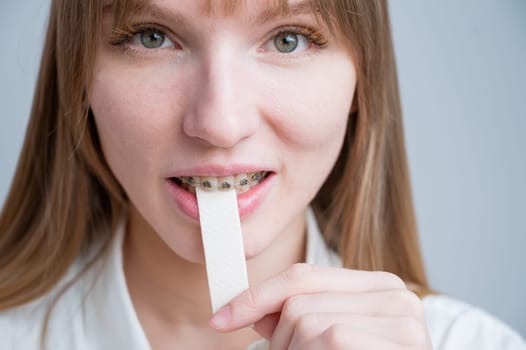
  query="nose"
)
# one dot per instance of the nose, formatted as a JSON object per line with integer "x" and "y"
{"x": 221, "y": 113}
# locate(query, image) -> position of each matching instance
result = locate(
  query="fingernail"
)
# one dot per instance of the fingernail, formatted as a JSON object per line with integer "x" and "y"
{"x": 221, "y": 319}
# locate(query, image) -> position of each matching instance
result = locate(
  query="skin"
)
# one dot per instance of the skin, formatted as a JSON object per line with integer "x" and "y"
{"x": 219, "y": 92}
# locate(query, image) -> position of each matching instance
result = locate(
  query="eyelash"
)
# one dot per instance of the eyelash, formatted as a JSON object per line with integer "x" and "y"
{"x": 312, "y": 35}
{"x": 121, "y": 37}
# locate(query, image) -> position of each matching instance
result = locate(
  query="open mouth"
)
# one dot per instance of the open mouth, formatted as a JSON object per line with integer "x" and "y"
{"x": 239, "y": 182}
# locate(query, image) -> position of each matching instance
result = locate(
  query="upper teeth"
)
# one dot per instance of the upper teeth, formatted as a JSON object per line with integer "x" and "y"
{"x": 241, "y": 182}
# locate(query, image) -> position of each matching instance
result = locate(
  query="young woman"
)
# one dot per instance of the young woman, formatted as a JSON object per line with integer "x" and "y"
{"x": 100, "y": 244}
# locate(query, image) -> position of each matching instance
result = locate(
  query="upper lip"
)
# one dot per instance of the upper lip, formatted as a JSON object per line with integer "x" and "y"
{"x": 219, "y": 170}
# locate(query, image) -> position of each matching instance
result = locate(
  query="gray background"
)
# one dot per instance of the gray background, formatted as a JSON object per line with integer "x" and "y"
{"x": 462, "y": 69}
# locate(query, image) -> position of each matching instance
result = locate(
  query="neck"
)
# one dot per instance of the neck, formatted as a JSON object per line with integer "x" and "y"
{"x": 171, "y": 293}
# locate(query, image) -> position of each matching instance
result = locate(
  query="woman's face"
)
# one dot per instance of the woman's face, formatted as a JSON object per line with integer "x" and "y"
{"x": 198, "y": 94}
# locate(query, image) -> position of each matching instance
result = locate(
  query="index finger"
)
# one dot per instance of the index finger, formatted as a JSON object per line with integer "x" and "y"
{"x": 269, "y": 296}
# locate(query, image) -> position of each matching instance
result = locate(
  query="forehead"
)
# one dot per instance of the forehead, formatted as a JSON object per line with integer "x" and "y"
{"x": 231, "y": 7}
{"x": 263, "y": 9}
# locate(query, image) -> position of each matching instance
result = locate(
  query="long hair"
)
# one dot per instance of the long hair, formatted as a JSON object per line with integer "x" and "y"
{"x": 64, "y": 199}
{"x": 365, "y": 206}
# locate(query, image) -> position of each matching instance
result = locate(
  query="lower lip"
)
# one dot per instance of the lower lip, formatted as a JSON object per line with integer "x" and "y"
{"x": 247, "y": 202}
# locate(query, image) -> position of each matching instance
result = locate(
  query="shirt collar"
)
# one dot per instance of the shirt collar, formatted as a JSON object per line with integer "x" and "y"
{"x": 111, "y": 321}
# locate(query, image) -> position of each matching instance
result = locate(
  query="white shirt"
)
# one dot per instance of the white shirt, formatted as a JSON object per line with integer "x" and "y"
{"x": 97, "y": 313}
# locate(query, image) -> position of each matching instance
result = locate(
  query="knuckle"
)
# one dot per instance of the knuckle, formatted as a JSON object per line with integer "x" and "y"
{"x": 390, "y": 280}
{"x": 412, "y": 326}
{"x": 411, "y": 303}
{"x": 252, "y": 297}
{"x": 412, "y": 330}
{"x": 335, "y": 337}
{"x": 306, "y": 324}
{"x": 293, "y": 309}
{"x": 297, "y": 271}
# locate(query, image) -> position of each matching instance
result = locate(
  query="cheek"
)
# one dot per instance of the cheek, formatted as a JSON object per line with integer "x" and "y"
{"x": 134, "y": 120}
{"x": 117, "y": 125}
{"x": 315, "y": 115}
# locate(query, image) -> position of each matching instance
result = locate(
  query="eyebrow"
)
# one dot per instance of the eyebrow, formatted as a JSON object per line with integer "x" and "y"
{"x": 302, "y": 7}
{"x": 156, "y": 11}
{"x": 151, "y": 10}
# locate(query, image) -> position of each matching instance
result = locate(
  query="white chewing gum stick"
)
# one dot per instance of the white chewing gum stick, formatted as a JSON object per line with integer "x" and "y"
{"x": 223, "y": 245}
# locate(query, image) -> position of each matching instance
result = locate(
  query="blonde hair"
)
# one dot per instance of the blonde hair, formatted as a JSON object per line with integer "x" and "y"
{"x": 64, "y": 198}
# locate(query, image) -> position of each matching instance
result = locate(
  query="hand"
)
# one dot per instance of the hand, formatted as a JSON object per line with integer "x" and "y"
{"x": 315, "y": 307}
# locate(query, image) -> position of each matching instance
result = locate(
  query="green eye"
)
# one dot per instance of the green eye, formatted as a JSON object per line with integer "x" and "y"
{"x": 286, "y": 42}
{"x": 152, "y": 38}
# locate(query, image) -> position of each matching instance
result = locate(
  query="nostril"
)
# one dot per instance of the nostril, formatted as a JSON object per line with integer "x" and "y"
{"x": 219, "y": 127}
{"x": 221, "y": 135}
